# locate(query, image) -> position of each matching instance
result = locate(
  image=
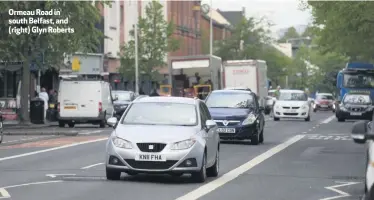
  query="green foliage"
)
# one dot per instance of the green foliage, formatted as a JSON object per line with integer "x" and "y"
{"x": 345, "y": 27}
{"x": 252, "y": 37}
{"x": 290, "y": 33}
{"x": 154, "y": 42}
{"x": 82, "y": 17}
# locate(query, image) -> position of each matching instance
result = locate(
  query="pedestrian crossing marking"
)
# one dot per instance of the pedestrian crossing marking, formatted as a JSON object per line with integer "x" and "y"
{"x": 345, "y": 137}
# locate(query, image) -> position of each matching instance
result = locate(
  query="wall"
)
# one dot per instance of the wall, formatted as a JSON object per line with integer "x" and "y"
{"x": 220, "y": 32}
{"x": 187, "y": 23}
{"x": 112, "y": 29}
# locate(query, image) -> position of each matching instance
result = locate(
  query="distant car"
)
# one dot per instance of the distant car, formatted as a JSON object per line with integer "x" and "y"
{"x": 122, "y": 99}
{"x": 238, "y": 115}
{"x": 270, "y": 100}
{"x": 292, "y": 104}
{"x": 363, "y": 133}
{"x": 324, "y": 101}
{"x": 355, "y": 106}
{"x": 173, "y": 135}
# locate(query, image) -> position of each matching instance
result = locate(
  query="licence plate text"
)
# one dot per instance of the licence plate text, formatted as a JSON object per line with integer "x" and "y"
{"x": 226, "y": 130}
{"x": 70, "y": 107}
{"x": 150, "y": 157}
{"x": 356, "y": 114}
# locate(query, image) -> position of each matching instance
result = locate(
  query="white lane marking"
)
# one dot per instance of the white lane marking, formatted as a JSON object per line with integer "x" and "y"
{"x": 26, "y": 139}
{"x": 4, "y": 194}
{"x": 89, "y": 132}
{"x": 55, "y": 175}
{"x": 90, "y": 166}
{"x": 52, "y": 149}
{"x": 341, "y": 193}
{"x": 231, "y": 175}
{"x": 328, "y": 137}
{"x": 28, "y": 184}
{"x": 329, "y": 119}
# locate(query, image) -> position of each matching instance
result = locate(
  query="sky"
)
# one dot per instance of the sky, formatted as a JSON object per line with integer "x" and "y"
{"x": 282, "y": 13}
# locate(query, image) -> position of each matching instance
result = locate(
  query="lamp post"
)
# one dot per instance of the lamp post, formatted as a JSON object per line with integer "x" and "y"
{"x": 136, "y": 49}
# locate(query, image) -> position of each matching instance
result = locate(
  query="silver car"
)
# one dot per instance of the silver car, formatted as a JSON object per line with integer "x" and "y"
{"x": 173, "y": 135}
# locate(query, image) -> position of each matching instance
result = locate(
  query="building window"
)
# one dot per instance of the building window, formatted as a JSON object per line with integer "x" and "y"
{"x": 121, "y": 14}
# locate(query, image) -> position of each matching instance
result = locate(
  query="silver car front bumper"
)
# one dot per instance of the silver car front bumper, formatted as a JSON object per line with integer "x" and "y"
{"x": 175, "y": 159}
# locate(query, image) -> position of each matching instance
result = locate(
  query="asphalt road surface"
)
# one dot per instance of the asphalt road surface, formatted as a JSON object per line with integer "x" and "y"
{"x": 299, "y": 160}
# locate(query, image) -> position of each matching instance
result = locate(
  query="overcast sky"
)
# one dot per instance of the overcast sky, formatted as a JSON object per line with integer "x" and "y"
{"x": 283, "y": 13}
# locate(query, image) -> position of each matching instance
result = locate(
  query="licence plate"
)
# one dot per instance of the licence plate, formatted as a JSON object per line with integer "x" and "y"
{"x": 70, "y": 107}
{"x": 150, "y": 157}
{"x": 356, "y": 114}
{"x": 51, "y": 105}
{"x": 292, "y": 111}
{"x": 324, "y": 106}
{"x": 226, "y": 130}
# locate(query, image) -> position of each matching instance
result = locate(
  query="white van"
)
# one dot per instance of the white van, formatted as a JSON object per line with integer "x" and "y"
{"x": 84, "y": 101}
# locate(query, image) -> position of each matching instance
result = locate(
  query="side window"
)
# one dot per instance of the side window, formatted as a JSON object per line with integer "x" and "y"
{"x": 206, "y": 110}
{"x": 203, "y": 115}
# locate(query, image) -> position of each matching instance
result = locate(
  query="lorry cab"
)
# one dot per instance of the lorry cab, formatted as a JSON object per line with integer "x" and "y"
{"x": 84, "y": 101}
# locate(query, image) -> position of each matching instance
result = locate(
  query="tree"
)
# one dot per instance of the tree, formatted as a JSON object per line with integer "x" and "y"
{"x": 84, "y": 37}
{"x": 345, "y": 27}
{"x": 290, "y": 33}
{"x": 155, "y": 40}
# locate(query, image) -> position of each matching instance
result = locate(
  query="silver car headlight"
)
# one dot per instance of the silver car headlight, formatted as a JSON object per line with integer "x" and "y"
{"x": 277, "y": 106}
{"x": 304, "y": 107}
{"x": 123, "y": 106}
{"x": 249, "y": 120}
{"x": 121, "y": 143}
{"x": 185, "y": 144}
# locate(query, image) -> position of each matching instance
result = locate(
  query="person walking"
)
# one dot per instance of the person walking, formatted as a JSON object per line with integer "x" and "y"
{"x": 44, "y": 95}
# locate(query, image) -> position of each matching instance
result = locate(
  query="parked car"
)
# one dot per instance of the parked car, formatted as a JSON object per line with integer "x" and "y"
{"x": 363, "y": 133}
{"x": 237, "y": 114}
{"x": 292, "y": 104}
{"x": 84, "y": 101}
{"x": 172, "y": 135}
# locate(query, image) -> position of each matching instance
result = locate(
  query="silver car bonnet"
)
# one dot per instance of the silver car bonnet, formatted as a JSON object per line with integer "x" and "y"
{"x": 155, "y": 133}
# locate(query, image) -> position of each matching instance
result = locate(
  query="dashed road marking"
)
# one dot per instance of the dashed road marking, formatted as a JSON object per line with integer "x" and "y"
{"x": 329, "y": 119}
{"x": 4, "y": 194}
{"x": 231, "y": 175}
{"x": 26, "y": 139}
{"x": 90, "y": 166}
{"x": 90, "y": 132}
{"x": 328, "y": 137}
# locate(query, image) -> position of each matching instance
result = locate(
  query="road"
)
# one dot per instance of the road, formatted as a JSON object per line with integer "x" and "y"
{"x": 313, "y": 160}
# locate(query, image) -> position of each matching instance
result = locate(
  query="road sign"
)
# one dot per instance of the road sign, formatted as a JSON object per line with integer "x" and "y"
{"x": 76, "y": 66}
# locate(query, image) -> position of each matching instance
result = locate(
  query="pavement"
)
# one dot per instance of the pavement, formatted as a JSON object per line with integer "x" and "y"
{"x": 299, "y": 160}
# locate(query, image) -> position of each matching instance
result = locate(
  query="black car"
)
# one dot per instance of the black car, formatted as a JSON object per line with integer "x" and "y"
{"x": 122, "y": 100}
{"x": 355, "y": 106}
{"x": 237, "y": 114}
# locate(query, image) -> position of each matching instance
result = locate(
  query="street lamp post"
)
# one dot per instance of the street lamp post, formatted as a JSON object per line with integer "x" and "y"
{"x": 136, "y": 50}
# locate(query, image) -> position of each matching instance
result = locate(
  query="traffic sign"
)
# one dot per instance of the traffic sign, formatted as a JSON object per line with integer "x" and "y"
{"x": 76, "y": 66}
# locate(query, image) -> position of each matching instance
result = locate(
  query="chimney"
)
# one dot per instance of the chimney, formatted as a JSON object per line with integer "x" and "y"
{"x": 243, "y": 11}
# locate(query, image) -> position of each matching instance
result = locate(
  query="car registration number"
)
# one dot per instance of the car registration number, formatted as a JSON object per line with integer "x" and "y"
{"x": 226, "y": 130}
{"x": 150, "y": 157}
{"x": 292, "y": 111}
{"x": 324, "y": 106}
{"x": 356, "y": 114}
{"x": 70, "y": 107}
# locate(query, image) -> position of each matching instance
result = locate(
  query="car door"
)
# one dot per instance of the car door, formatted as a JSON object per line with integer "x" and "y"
{"x": 211, "y": 140}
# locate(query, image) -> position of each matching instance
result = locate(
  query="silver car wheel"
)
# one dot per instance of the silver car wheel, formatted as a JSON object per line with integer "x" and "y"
{"x": 217, "y": 161}
{"x": 204, "y": 167}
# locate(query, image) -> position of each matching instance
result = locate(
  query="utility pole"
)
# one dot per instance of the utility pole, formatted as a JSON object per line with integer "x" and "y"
{"x": 136, "y": 49}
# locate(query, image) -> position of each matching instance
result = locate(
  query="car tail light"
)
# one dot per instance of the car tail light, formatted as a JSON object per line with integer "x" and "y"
{"x": 100, "y": 107}
{"x": 58, "y": 107}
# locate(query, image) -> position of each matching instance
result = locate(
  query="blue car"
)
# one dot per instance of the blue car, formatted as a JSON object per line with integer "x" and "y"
{"x": 237, "y": 114}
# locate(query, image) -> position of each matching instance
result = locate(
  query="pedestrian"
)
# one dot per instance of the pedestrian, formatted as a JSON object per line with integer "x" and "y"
{"x": 43, "y": 95}
{"x": 52, "y": 98}
{"x": 277, "y": 92}
{"x": 154, "y": 93}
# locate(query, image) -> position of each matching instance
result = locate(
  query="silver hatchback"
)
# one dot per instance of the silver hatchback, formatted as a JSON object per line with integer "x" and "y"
{"x": 171, "y": 135}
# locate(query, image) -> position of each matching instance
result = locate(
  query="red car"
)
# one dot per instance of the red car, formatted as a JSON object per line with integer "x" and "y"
{"x": 324, "y": 101}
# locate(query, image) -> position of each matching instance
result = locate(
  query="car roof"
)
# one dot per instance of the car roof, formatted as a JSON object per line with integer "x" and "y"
{"x": 182, "y": 100}
{"x": 232, "y": 91}
{"x": 327, "y": 94}
{"x": 122, "y": 91}
{"x": 292, "y": 91}
{"x": 237, "y": 88}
